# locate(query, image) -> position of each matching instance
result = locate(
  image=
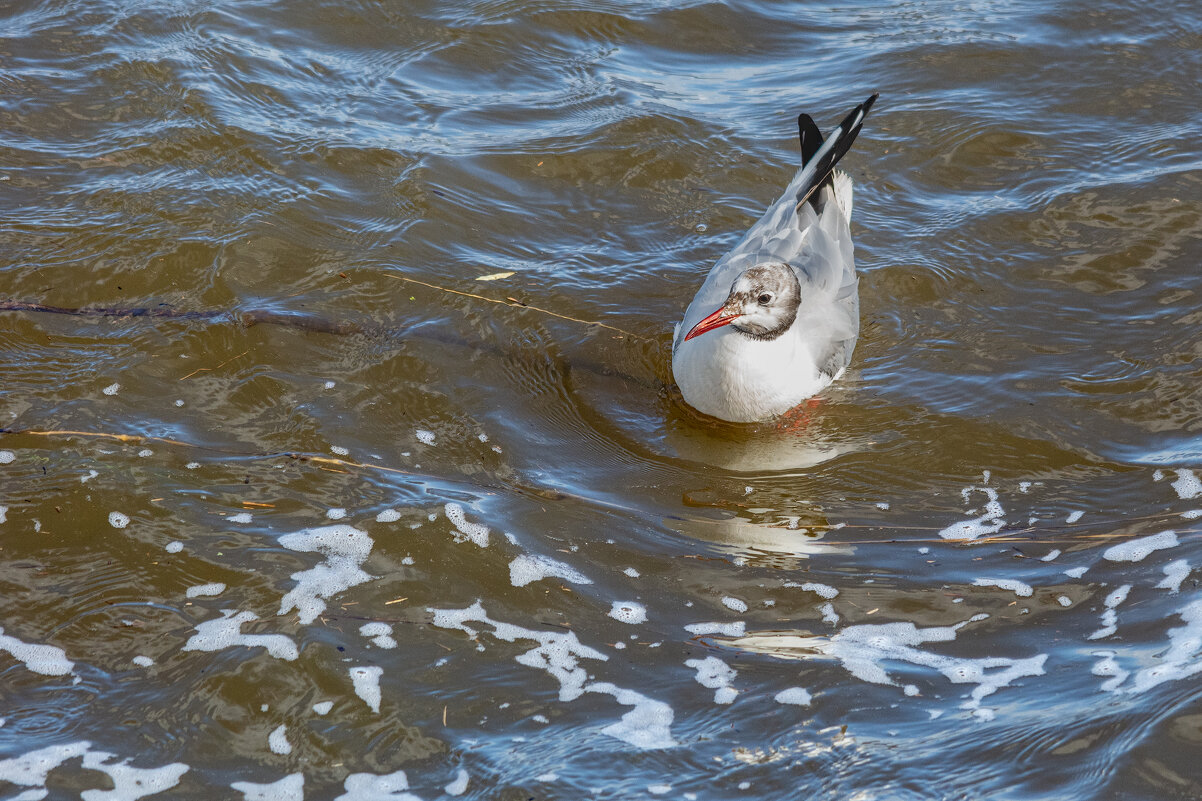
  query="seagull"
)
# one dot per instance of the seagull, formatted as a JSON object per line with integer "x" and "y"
{"x": 777, "y": 317}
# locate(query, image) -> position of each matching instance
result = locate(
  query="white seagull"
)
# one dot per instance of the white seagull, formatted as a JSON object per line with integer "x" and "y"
{"x": 777, "y": 318}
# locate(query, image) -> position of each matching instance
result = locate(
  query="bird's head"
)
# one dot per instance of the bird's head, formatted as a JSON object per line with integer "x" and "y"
{"x": 762, "y": 303}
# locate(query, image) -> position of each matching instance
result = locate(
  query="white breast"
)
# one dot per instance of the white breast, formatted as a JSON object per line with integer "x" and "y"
{"x": 732, "y": 377}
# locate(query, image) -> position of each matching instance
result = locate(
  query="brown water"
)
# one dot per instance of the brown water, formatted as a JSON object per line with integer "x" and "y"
{"x": 1029, "y": 230}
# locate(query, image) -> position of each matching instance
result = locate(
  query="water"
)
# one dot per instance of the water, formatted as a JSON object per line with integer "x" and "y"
{"x": 487, "y": 546}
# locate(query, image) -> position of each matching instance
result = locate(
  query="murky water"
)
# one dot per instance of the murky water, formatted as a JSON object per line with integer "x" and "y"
{"x": 481, "y": 550}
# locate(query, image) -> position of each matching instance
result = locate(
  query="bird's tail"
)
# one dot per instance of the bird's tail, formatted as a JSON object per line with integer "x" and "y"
{"x": 841, "y": 182}
{"x": 818, "y": 156}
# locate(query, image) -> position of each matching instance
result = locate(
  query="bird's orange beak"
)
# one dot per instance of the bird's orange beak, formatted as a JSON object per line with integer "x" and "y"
{"x": 718, "y": 319}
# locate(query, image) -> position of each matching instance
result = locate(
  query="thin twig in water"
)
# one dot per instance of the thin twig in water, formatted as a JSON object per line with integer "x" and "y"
{"x": 218, "y": 367}
{"x": 517, "y": 304}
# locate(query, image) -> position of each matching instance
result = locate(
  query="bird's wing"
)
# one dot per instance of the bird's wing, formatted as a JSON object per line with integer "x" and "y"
{"x": 818, "y": 247}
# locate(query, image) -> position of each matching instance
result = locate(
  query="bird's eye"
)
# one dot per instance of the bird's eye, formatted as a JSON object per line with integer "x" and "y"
{"x": 765, "y": 298}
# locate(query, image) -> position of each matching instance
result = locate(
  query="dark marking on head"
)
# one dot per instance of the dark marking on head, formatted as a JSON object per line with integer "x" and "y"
{"x": 766, "y": 298}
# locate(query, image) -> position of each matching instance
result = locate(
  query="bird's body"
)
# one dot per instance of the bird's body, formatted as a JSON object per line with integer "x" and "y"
{"x": 786, "y": 301}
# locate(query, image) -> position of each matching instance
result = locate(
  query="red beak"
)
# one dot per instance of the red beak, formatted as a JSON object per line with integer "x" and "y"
{"x": 716, "y": 320}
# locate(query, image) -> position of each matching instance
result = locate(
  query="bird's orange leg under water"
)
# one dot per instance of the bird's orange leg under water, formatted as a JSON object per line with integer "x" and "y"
{"x": 797, "y": 419}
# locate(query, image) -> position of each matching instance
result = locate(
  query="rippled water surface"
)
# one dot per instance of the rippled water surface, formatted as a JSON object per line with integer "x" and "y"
{"x": 412, "y": 543}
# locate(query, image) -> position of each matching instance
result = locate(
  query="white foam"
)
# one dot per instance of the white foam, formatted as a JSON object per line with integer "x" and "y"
{"x": 277, "y": 741}
{"x": 647, "y": 726}
{"x": 118, "y": 520}
{"x": 130, "y": 783}
{"x": 823, "y": 590}
{"x": 736, "y": 629}
{"x": 459, "y": 785}
{"x": 1019, "y": 588}
{"x": 31, "y": 769}
{"x": 990, "y": 522}
{"x": 793, "y": 695}
{"x": 48, "y": 660}
{"x": 715, "y": 674}
{"x": 111, "y": 389}
{"x": 1109, "y": 626}
{"x": 289, "y": 788}
{"x": 174, "y": 546}
{"x": 1192, "y": 514}
{"x": 1187, "y": 485}
{"x": 1108, "y": 666}
{"x": 215, "y": 588}
{"x": 338, "y": 450}
{"x": 1051, "y": 555}
{"x": 388, "y": 516}
{"x": 1136, "y": 550}
{"x": 829, "y": 615}
{"x": 734, "y": 604}
{"x": 1175, "y": 572}
{"x": 91, "y": 475}
{"x": 370, "y": 787}
{"x": 864, "y": 650}
{"x": 659, "y": 789}
{"x": 527, "y": 569}
{"x": 1064, "y": 600}
{"x": 226, "y": 632}
{"x": 629, "y": 612}
{"x": 630, "y": 571}
{"x": 143, "y": 661}
{"x": 1076, "y": 572}
{"x": 145, "y": 452}
{"x": 425, "y": 437}
{"x": 241, "y": 517}
{"x": 345, "y": 548}
{"x": 475, "y": 532}
{"x": 559, "y": 654}
{"x": 1182, "y": 659}
{"x": 381, "y": 634}
{"x": 7, "y": 457}
{"x": 367, "y": 685}
{"x": 1116, "y": 597}
{"x": 1074, "y": 516}
{"x": 1110, "y": 617}
{"x": 337, "y": 513}
{"x": 323, "y": 707}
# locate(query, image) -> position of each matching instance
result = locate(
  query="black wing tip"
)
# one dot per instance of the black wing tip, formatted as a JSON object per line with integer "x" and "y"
{"x": 847, "y": 131}
{"x": 856, "y": 118}
{"x": 809, "y": 135}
